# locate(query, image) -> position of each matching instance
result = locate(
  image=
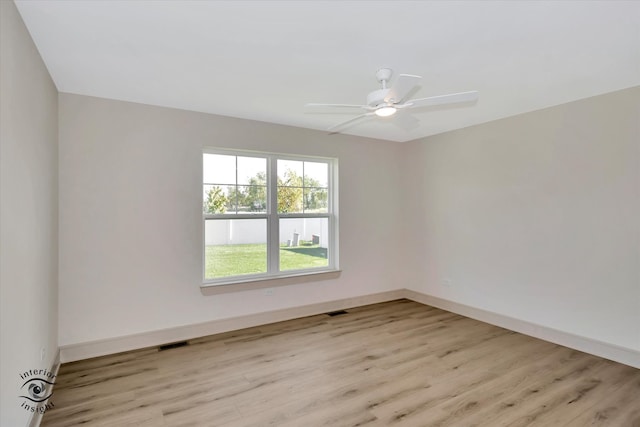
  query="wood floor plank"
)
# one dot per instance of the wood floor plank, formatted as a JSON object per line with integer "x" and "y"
{"x": 619, "y": 408}
{"x": 471, "y": 404}
{"x": 393, "y": 364}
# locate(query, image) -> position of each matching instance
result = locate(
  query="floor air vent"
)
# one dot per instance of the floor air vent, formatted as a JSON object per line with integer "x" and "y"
{"x": 172, "y": 345}
{"x": 336, "y": 313}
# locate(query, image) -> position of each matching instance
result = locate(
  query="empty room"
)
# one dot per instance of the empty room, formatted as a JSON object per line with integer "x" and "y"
{"x": 319, "y": 213}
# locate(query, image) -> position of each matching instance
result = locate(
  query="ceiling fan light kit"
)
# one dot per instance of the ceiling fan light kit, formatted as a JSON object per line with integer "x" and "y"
{"x": 387, "y": 101}
{"x": 385, "y": 111}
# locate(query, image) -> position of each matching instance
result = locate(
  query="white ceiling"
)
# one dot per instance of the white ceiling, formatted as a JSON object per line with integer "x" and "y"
{"x": 263, "y": 60}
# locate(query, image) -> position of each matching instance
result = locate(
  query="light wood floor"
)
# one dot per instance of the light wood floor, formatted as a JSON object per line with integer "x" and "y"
{"x": 393, "y": 364}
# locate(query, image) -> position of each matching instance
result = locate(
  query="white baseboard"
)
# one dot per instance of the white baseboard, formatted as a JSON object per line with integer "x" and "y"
{"x": 70, "y": 353}
{"x": 588, "y": 345}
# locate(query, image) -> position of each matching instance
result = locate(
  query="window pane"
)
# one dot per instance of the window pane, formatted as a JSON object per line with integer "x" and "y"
{"x": 218, "y": 169}
{"x": 235, "y": 247}
{"x": 316, "y": 174}
{"x": 316, "y": 200}
{"x": 218, "y": 199}
{"x": 252, "y": 199}
{"x": 303, "y": 243}
{"x": 252, "y": 171}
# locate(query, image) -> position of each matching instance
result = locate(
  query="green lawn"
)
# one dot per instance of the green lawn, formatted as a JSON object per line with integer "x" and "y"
{"x": 233, "y": 260}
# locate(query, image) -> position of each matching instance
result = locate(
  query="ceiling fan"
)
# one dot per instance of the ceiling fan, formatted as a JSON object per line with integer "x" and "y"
{"x": 388, "y": 101}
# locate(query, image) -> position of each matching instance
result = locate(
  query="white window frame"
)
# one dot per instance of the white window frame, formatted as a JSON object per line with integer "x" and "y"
{"x": 273, "y": 219}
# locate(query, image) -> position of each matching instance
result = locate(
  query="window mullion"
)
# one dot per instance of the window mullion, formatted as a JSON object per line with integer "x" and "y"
{"x": 273, "y": 226}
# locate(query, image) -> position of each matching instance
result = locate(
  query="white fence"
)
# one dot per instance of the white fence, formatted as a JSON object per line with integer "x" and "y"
{"x": 246, "y": 231}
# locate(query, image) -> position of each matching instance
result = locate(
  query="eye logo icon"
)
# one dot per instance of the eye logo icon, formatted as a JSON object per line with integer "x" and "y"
{"x": 36, "y": 390}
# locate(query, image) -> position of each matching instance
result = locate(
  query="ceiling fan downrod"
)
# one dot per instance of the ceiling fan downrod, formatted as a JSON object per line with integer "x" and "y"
{"x": 384, "y": 75}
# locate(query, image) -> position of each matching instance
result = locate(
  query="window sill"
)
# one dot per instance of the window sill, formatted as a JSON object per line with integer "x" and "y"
{"x": 247, "y": 284}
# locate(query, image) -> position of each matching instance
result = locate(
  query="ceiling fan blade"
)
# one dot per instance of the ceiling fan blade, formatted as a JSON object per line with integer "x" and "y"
{"x": 312, "y": 106}
{"x": 453, "y": 98}
{"x": 339, "y": 126}
{"x": 406, "y": 121}
{"x": 405, "y": 84}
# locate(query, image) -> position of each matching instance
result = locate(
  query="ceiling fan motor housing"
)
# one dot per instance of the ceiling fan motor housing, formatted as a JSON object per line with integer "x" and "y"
{"x": 384, "y": 75}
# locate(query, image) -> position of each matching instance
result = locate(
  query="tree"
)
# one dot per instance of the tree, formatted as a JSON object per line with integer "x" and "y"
{"x": 315, "y": 197}
{"x": 293, "y": 194}
{"x": 216, "y": 201}
{"x": 290, "y": 192}
{"x": 235, "y": 196}
{"x": 256, "y": 193}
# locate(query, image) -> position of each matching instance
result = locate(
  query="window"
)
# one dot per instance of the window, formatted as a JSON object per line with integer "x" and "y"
{"x": 267, "y": 215}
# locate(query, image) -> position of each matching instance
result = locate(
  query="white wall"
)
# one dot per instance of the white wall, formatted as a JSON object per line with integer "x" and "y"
{"x": 130, "y": 217}
{"x": 536, "y": 217}
{"x": 28, "y": 213}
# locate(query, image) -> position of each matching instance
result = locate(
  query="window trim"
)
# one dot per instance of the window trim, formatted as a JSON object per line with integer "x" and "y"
{"x": 273, "y": 218}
